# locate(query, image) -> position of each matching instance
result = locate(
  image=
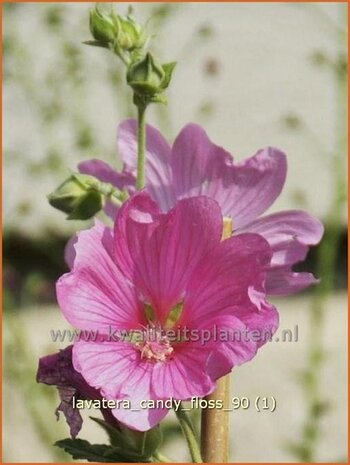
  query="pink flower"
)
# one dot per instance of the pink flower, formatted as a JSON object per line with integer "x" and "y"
{"x": 244, "y": 190}
{"x": 155, "y": 268}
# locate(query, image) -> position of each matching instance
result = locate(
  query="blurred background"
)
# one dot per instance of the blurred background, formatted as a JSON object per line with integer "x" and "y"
{"x": 253, "y": 75}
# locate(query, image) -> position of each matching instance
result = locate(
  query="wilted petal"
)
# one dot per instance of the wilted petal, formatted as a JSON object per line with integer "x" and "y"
{"x": 57, "y": 370}
{"x": 243, "y": 189}
{"x": 158, "y": 171}
{"x": 95, "y": 295}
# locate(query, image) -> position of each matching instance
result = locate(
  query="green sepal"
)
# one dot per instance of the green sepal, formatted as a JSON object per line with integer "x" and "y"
{"x": 96, "y": 43}
{"x": 168, "y": 69}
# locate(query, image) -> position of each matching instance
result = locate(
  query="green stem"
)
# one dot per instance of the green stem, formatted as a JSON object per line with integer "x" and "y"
{"x": 189, "y": 434}
{"x": 141, "y": 146}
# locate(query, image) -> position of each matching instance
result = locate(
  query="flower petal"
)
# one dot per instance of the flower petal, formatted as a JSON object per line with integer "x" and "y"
{"x": 164, "y": 250}
{"x": 117, "y": 369}
{"x": 243, "y": 189}
{"x": 289, "y": 234}
{"x": 69, "y": 251}
{"x": 105, "y": 173}
{"x": 283, "y": 281}
{"x": 95, "y": 295}
{"x": 224, "y": 279}
{"x": 145, "y": 212}
{"x": 158, "y": 172}
{"x": 185, "y": 375}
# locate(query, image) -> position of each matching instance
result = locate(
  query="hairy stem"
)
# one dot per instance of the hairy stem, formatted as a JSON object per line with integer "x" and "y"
{"x": 141, "y": 146}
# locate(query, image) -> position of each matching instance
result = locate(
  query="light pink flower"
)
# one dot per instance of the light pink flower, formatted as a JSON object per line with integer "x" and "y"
{"x": 244, "y": 190}
{"x": 151, "y": 263}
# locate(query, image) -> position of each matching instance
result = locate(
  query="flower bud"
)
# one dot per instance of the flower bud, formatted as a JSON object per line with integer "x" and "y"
{"x": 147, "y": 77}
{"x": 102, "y": 26}
{"x": 78, "y": 196}
{"x": 131, "y": 35}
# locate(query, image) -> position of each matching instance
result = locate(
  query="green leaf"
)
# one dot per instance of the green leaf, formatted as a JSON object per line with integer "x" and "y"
{"x": 115, "y": 436}
{"x": 81, "y": 449}
{"x": 139, "y": 445}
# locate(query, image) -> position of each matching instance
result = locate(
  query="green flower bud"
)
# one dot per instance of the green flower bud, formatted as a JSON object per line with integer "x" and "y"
{"x": 102, "y": 26}
{"x": 148, "y": 78}
{"x": 131, "y": 35}
{"x": 78, "y": 196}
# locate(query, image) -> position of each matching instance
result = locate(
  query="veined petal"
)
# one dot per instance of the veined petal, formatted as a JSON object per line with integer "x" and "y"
{"x": 142, "y": 210}
{"x": 283, "y": 281}
{"x": 289, "y": 234}
{"x": 158, "y": 172}
{"x": 223, "y": 280}
{"x": 105, "y": 173}
{"x": 243, "y": 189}
{"x": 117, "y": 369}
{"x": 185, "y": 375}
{"x": 164, "y": 250}
{"x": 95, "y": 295}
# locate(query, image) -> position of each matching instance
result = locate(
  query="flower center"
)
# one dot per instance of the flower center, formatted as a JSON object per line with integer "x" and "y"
{"x": 155, "y": 346}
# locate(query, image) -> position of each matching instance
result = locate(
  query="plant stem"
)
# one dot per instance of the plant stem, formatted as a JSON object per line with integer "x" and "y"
{"x": 190, "y": 434}
{"x": 141, "y": 145}
{"x": 215, "y": 425}
{"x": 215, "y": 421}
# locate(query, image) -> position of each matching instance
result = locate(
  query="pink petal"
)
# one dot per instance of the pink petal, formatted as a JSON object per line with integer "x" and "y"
{"x": 105, "y": 173}
{"x": 95, "y": 294}
{"x": 223, "y": 280}
{"x": 230, "y": 338}
{"x": 290, "y": 234}
{"x": 69, "y": 251}
{"x": 283, "y": 281}
{"x": 163, "y": 251}
{"x": 145, "y": 212}
{"x": 185, "y": 375}
{"x": 158, "y": 172}
{"x": 243, "y": 189}
{"x": 117, "y": 369}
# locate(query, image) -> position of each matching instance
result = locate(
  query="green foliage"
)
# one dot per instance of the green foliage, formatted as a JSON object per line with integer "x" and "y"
{"x": 125, "y": 445}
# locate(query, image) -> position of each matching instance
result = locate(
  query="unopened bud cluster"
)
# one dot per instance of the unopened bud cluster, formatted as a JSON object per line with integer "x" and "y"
{"x": 127, "y": 39}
